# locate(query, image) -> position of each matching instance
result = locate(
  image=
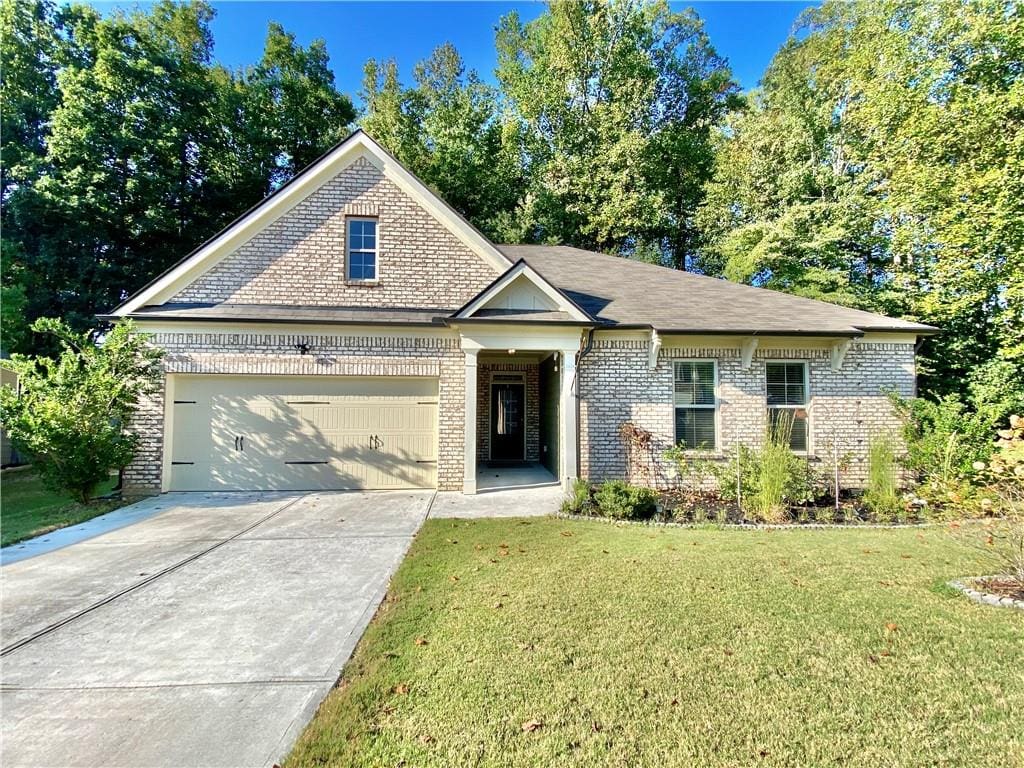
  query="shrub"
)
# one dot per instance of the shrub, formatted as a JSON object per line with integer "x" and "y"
{"x": 1002, "y": 494}
{"x": 780, "y": 478}
{"x": 882, "y": 494}
{"x": 770, "y": 479}
{"x": 944, "y": 440}
{"x": 69, "y": 414}
{"x": 622, "y": 501}
{"x": 580, "y": 500}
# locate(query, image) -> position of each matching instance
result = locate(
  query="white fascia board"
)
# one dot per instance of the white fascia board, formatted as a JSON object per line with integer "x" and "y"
{"x": 524, "y": 269}
{"x": 537, "y": 338}
{"x": 228, "y": 241}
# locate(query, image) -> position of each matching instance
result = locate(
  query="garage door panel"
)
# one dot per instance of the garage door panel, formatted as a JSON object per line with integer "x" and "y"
{"x": 289, "y": 437}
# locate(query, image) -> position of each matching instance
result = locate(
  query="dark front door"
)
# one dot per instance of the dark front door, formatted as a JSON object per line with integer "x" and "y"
{"x": 508, "y": 416}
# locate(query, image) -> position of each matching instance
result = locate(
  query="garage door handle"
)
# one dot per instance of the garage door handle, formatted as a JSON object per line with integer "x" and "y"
{"x": 236, "y": 442}
{"x": 241, "y": 443}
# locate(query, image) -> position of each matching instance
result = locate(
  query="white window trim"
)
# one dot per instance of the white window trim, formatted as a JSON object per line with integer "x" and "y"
{"x": 807, "y": 391}
{"x": 717, "y": 448}
{"x": 349, "y": 250}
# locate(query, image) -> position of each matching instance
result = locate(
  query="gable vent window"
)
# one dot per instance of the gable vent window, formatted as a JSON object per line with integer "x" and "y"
{"x": 695, "y": 405}
{"x": 361, "y": 253}
{"x": 787, "y": 402}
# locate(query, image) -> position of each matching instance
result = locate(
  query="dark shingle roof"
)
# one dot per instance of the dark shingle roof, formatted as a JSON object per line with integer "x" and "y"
{"x": 622, "y": 292}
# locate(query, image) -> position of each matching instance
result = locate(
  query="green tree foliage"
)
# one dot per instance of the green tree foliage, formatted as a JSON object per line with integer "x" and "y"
{"x": 131, "y": 146}
{"x": 448, "y": 129}
{"x": 616, "y": 102}
{"x": 70, "y": 414}
{"x": 881, "y": 165}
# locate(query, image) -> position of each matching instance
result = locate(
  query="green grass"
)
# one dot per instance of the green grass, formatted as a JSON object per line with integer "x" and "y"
{"x": 673, "y": 647}
{"x": 28, "y": 509}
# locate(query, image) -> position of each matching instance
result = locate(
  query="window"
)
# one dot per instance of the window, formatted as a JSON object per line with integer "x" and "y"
{"x": 361, "y": 255}
{"x": 695, "y": 404}
{"x": 787, "y": 401}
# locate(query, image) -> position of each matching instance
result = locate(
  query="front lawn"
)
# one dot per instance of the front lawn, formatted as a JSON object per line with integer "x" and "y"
{"x": 28, "y": 509}
{"x": 547, "y": 642}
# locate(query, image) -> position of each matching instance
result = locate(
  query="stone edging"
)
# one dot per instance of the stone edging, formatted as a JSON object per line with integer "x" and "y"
{"x": 749, "y": 526}
{"x": 986, "y": 598}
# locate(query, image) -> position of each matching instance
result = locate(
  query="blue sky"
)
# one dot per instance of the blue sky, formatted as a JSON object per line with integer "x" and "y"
{"x": 747, "y": 33}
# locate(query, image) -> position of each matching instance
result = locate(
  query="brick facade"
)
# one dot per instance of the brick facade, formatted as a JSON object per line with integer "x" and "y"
{"x": 300, "y": 258}
{"x": 531, "y": 380}
{"x": 615, "y": 384}
{"x": 335, "y": 355}
{"x": 846, "y": 408}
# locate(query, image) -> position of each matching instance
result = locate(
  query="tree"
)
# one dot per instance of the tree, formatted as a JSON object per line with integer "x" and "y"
{"x": 617, "y": 102}
{"x": 138, "y": 147}
{"x": 448, "y": 129}
{"x": 70, "y": 414}
{"x": 290, "y": 109}
{"x": 882, "y": 165}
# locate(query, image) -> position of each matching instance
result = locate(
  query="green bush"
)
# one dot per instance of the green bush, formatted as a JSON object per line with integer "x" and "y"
{"x": 69, "y": 415}
{"x": 622, "y": 501}
{"x": 771, "y": 479}
{"x": 882, "y": 494}
{"x": 580, "y": 500}
{"x": 944, "y": 440}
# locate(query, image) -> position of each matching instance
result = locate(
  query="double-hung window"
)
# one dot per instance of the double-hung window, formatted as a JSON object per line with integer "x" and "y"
{"x": 787, "y": 402}
{"x": 695, "y": 404}
{"x": 361, "y": 253}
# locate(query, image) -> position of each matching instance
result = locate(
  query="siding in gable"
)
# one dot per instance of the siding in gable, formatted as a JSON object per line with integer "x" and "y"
{"x": 299, "y": 259}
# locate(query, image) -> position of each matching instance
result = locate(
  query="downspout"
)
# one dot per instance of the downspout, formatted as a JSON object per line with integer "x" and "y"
{"x": 576, "y": 393}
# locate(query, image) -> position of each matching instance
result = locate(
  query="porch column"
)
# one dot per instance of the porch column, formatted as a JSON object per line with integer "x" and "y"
{"x": 569, "y": 471}
{"x": 469, "y": 425}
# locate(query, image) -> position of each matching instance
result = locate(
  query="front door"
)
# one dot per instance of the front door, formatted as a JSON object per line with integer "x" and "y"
{"x": 508, "y": 417}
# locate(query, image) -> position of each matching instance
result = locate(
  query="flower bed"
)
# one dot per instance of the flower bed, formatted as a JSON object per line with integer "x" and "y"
{"x": 992, "y": 590}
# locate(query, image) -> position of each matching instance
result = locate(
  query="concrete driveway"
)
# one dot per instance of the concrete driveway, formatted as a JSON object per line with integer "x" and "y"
{"x": 205, "y": 635}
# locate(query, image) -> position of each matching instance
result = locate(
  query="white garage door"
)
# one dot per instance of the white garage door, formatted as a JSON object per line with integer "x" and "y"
{"x": 302, "y": 433}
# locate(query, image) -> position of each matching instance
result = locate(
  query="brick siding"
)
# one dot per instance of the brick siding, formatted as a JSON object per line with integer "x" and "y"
{"x": 300, "y": 258}
{"x": 847, "y": 406}
{"x": 337, "y": 355}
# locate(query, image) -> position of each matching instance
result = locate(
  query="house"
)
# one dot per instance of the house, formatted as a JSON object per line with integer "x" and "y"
{"x": 353, "y": 331}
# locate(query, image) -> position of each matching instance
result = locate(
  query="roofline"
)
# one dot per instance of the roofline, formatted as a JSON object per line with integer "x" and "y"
{"x": 505, "y": 276}
{"x": 725, "y": 332}
{"x": 456, "y": 321}
{"x": 299, "y": 176}
{"x": 438, "y": 322}
{"x": 852, "y": 333}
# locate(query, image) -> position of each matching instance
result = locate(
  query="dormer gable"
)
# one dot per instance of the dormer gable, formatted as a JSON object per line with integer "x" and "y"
{"x": 522, "y": 293}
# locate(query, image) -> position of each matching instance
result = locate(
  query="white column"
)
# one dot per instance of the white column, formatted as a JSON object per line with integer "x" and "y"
{"x": 567, "y": 417}
{"x": 469, "y": 427}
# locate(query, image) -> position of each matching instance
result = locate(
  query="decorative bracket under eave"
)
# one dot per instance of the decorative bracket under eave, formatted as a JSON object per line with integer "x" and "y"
{"x": 747, "y": 350}
{"x": 838, "y": 353}
{"x": 652, "y": 351}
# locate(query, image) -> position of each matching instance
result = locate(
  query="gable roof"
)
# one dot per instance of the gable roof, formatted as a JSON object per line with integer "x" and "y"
{"x": 623, "y": 293}
{"x": 316, "y": 174}
{"x": 565, "y": 309}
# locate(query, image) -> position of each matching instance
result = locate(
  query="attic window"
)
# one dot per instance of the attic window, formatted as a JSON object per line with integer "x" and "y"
{"x": 361, "y": 253}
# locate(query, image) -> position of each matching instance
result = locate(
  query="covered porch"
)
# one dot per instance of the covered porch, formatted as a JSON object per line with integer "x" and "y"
{"x": 520, "y": 407}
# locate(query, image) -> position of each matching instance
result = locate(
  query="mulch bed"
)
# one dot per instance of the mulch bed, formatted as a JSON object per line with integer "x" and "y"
{"x": 1000, "y": 586}
{"x": 679, "y": 506}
